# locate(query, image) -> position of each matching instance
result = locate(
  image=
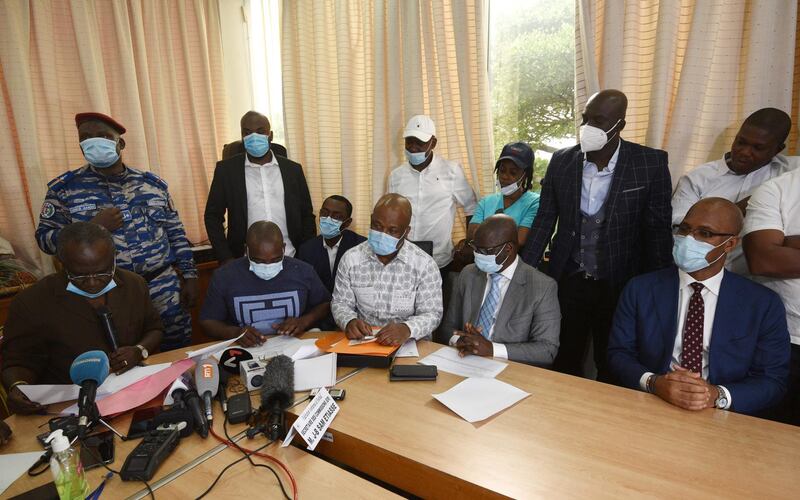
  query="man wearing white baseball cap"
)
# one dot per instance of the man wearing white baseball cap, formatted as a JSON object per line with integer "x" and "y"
{"x": 434, "y": 186}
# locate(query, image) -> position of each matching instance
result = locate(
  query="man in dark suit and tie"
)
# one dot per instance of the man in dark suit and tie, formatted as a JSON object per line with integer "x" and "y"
{"x": 699, "y": 336}
{"x": 501, "y": 306}
{"x": 610, "y": 200}
{"x": 325, "y": 251}
{"x": 258, "y": 185}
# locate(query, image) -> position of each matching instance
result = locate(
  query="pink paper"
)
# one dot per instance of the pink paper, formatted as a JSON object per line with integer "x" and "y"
{"x": 144, "y": 390}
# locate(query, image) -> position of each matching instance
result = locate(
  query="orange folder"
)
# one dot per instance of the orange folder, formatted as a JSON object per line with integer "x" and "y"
{"x": 338, "y": 343}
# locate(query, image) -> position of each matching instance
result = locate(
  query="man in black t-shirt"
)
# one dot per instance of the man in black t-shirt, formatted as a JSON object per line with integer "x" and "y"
{"x": 264, "y": 292}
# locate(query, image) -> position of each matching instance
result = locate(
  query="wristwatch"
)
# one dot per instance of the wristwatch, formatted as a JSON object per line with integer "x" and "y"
{"x": 144, "y": 351}
{"x": 722, "y": 400}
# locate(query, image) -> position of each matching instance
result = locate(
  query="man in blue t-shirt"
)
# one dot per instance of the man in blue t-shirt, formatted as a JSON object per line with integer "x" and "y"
{"x": 264, "y": 292}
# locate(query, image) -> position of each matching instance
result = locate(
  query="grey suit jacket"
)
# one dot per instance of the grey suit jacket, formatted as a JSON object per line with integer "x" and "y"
{"x": 529, "y": 319}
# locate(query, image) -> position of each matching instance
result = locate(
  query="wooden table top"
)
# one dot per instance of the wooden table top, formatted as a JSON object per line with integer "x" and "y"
{"x": 571, "y": 438}
{"x": 314, "y": 475}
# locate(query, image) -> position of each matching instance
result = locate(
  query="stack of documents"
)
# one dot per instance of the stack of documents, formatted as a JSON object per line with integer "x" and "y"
{"x": 448, "y": 360}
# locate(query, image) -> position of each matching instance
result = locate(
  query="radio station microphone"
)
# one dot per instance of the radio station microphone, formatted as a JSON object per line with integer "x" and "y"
{"x": 206, "y": 377}
{"x": 277, "y": 394}
{"x": 89, "y": 370}
{"x": 184, "y": 394}
{"x": 222, "y": 393}
{"x": 107, "y": 321}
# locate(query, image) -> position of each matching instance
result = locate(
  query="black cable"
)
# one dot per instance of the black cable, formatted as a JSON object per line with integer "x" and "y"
{"x": 246, "y": 455}
{"x": 219, "y": 476}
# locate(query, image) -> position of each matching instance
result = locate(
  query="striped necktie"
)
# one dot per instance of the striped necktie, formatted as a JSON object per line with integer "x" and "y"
{"x": 488, "y": 311}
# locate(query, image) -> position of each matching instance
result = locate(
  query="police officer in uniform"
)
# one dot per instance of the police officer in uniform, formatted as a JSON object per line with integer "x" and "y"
{"x": 136, "y": 207}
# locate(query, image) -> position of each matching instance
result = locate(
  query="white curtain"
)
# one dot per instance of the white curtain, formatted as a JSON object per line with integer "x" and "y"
{"x": 692, "y": 69}
{"x": 354, "y": 71}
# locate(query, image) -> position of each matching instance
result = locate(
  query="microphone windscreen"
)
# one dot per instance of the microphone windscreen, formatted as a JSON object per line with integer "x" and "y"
{"x": 91, "y": 365}
{"x": 278, "y": 389}
{"x": 206, "y": 377}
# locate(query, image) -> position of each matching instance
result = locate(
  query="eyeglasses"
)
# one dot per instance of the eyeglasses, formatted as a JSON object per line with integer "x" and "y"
{"x": 488, "y": 250}
{"x": 97, "y": 276}
{"x": 703, "y": 234}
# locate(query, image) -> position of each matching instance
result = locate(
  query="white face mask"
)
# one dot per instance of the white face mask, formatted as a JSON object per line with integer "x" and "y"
{"x": 511, "y": 188}
{"x": 594, "y": 138}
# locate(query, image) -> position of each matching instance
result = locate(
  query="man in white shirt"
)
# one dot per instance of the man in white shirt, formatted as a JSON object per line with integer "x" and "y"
{"x": 434, "y": 186}
{"x": 501, "y": 306}
{"x": 386, "y": 286}
{"x": 699, "y": 336}
{"x": 754, "y": 158}
{"x": 772, "y": 249}
{"x": 255, "y": 186}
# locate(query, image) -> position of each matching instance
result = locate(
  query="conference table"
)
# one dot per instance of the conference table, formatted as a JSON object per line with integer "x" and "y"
{"x": 570, "y": 438}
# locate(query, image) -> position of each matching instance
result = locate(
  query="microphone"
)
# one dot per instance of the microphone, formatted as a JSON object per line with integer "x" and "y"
{"x": 182, "y": 393}
{"x": 206, "y": 376}
{"x": 107, "y": 321}
{"x": 89, "y": 370}
{"x": 222, "y": 394}
{"x": 277, "y": 394}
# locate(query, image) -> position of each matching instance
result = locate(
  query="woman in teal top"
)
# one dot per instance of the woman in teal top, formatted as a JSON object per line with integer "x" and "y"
{"x": 515, "y": 199}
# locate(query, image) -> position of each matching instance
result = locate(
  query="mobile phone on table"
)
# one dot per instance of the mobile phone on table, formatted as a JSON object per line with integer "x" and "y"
{"x": 141, "y": 421}
{"x": 97, "y": 449}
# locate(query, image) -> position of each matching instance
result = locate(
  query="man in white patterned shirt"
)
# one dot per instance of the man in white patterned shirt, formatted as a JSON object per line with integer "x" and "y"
{"x": 754, "y": 158}
{"x": 386, "y": 286}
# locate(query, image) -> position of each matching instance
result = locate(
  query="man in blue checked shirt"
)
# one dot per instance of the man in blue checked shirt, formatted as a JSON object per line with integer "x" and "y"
{"x": 136, "y": 207}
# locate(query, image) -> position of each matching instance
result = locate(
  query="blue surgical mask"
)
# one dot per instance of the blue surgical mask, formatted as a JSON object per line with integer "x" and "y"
{"x": 256, "y": 144}
{"x": 690, "y": 254}
{"x": 382, "y": 243}
{"x": 488, "y": 263}
{"x": 266, "y": 271}
{"x": 330, "y": 227}
{"x": 416, "y": 158}
{"x": 100, "y": 152}
{"x": 77, "y": 291}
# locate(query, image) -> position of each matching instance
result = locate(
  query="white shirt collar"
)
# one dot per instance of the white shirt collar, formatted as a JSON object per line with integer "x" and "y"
{"x": 713, "y": 283}
{"x": 271, "y": 163}
{"x": 776, "y": 162}
{"x": 508, "y": 273}
{"x": 612, "y": 163}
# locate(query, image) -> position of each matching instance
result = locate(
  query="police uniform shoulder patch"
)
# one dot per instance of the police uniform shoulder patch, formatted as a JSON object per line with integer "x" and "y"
{"x": 61, "y": 180}
{"x": 156, "y": 180}
{"x": 48, "y": 210}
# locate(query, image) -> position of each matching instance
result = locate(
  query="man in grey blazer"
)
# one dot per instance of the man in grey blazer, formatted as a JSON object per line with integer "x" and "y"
{"x": 501, "y": 306}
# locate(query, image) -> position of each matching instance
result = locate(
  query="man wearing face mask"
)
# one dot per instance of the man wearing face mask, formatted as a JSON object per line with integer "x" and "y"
{"x": 324, "y": 252}
{"x": 754, "y": 158}
{"x": 255, "y": 186}
{"x": 55, "y": 320}
{"x": 434, "y": 186}
{"x": 700, "y": 336}
{"x": 263, "y": 293}
{"x": 608, "y": 202}
{"x": 385, "y": 286}
{"x": 501, "y": 306}
{"x": 137, "y": 209}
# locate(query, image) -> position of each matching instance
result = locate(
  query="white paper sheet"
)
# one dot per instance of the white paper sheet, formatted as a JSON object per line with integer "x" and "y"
{"x": 408, "y": 350}
{"x": 476, "y": 398}
{"x": 49, "y": 394}
{"x": 307, "y": 349}
{"x": 274, "y": 346}
{"x": 448, "y": 360}
{"x": 212, "y": 349}
{"x": 315, "y": 372}
{"x": 13, "y": 465}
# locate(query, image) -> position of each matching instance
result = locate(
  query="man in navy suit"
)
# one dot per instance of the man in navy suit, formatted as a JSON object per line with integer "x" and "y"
{"x": 325, "y": 251}
{"x": 610, "y": 200}
{"x": 699, "y": 336}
